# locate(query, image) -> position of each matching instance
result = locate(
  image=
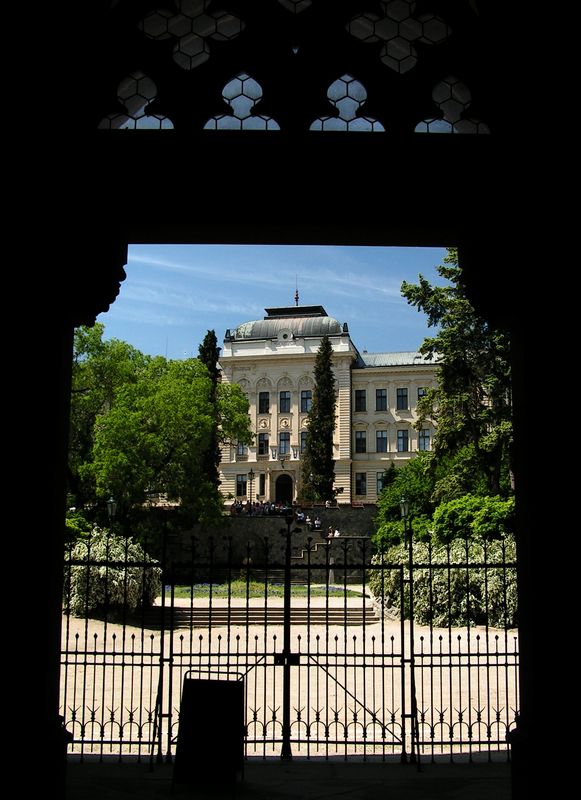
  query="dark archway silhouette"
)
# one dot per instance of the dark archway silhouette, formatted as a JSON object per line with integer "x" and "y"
{"x": 284, "y": 489}
{"x": 191, "y": 185}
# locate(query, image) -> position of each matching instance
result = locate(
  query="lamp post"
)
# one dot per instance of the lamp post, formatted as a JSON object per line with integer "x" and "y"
{"x": 251, "y": 478}
{"x": 408, "y": 540}
{"x": 404, "y": 508}
{"x": 111, "y": 509}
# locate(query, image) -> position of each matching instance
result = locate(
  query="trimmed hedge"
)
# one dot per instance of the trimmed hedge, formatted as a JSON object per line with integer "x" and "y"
{"x": 465, "y": 582}
{"x": 114, "y": 573}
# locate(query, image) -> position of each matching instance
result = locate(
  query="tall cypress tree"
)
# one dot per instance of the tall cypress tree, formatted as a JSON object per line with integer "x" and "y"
{"x": 209, "y": 352}
{"x": 318, "y": 473}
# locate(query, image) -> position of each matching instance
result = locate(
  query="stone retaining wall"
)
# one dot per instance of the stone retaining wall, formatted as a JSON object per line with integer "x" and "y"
{"x": 263, "y": 539}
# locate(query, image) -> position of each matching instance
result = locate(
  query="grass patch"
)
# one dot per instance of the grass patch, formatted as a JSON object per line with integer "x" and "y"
{"x": 240, "y": 588}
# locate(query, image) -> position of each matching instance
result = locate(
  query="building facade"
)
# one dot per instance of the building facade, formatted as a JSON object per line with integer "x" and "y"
{"x": 272, "y": 360}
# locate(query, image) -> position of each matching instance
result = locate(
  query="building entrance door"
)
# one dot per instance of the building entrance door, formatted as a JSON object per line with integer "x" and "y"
{"x": 284, "y": 490}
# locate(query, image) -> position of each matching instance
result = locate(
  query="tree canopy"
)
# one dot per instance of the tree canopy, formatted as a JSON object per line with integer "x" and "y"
{"x": 471, "y": 405}
{"x": 470, "y": 463}
{"x": 415, "y": 482}
{"x": 100, "y": 369}
{"x": 142, "y": 424}
{"x": 150, "y": 440}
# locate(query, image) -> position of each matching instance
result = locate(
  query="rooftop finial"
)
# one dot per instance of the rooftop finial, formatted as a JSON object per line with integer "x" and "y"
{"x": 296, "y": 292}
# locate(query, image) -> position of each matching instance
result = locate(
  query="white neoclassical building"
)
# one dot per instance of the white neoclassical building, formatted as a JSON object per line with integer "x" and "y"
{"x": 272, "y": 360}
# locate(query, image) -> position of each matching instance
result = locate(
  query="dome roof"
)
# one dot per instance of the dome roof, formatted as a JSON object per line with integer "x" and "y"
{"x": 296, "y": 320}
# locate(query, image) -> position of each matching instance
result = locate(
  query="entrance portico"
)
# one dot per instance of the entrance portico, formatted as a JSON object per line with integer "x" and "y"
{"x": 284, "y": 489}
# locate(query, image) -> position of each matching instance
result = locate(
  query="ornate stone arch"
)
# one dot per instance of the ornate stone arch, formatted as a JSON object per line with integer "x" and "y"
{"x": 487, "y": 44}
{"x": 245, "y": 385}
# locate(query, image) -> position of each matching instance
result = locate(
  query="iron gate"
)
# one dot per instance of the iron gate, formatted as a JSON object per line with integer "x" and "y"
{"x": 329, "y": 670}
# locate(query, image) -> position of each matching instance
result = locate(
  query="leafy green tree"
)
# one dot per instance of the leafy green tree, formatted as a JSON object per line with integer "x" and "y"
{"x": 151, "y": 438}
{"x": 457, "y": 474}
{"x": 415, "y": 482}
{"x": 100, "y": 368}
{"x": 233, "y": 417}
{"x": 318, "y": 473}
{"x": 472, "y": 402}
{"x": 142, "y": 425}
{"x": 77, "y": 525}
{"x": 473, "y": 517}
{"x": 461, "y": 508}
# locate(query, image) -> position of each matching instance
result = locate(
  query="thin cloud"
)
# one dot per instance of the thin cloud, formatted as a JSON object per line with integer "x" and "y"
{"x": 216, "y": 272}
{"x": 157, "y": 294}
{"x": 138, "y": 314}
{"x": 189, "y": 289}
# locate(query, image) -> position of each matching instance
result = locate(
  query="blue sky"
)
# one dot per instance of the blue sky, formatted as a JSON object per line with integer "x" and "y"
{"x": 174, "y": 294}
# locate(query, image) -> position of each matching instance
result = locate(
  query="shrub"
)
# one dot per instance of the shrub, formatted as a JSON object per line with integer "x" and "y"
{"x": 76, "y": 524}
{"x": 107, "y": 572}
{"x": 473, "y": 516}
{"x": 454, "y": 585}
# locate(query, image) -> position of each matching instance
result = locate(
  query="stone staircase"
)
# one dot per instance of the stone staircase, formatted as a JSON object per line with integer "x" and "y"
{"x": 246, "y": 616}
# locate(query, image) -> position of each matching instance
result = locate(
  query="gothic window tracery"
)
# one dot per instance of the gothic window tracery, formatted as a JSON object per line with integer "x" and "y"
{"x": 453, "y": 99}
{"x": 296, "y": 6}
{"x": 269, "y": 66}
{"x": 399, "y": 29}
{"x": 193, "y": 28}
{"x": 242, "y": 94}
{"x": 135, "y": 93}
{"x": 347, "y": 95}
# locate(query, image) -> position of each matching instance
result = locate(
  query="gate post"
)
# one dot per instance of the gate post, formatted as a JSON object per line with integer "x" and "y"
{"x": 413, "y": 715}
{"x": 413, "y": 701}
{"x": 286, "y": 753}
{"x": 157, "y": 738}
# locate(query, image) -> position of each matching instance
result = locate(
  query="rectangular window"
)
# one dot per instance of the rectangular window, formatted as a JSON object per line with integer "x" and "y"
{"x": 284, "y": 402}
{"x": 361, "y": 483}
{"x": 401, "y": 399}
{"x": 381, "y": 399}
{"x": 360, "y": 442}
{"x": 381, "y": 441}
{"x": 306, "y": 400}
{"x": 263, "y": 402}
{"x": 379, "y": 482}
{"x": 402, "y": 441}
{"x": 241, "y": 449}
{"x": 262, "y": 484}
{"x": 303, "y": 441}
{"x": 422, "y": 392}
{"x": 241, "y": 486}
{"x": 424, "y": 439}
{"x": 284, "y": 443}
{"x": 263, "y": 444}
{"x": 360, "y": 399}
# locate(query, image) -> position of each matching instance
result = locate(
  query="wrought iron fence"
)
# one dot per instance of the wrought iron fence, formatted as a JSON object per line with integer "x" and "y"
{"x": 319, "y": 632}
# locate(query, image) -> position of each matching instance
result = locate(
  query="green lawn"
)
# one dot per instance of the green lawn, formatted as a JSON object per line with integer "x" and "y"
{"x": 240, "y": 588}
